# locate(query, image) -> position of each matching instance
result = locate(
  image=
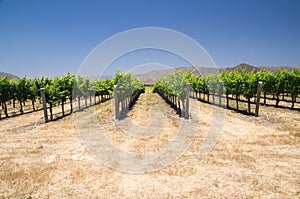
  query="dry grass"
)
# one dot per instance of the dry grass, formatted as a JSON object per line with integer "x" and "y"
{"x": 253, "y": 158}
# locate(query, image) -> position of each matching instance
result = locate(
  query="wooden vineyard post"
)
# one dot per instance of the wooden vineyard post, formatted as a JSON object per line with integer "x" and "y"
{"x": 259, "y": 86}
{"x": 42, "y": 91}
{"x": 116, "y": 102}
{"x": 187, "y": 107}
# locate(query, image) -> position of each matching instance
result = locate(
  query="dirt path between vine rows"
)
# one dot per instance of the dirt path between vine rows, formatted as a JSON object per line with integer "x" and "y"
{"x": 253, "y": 157}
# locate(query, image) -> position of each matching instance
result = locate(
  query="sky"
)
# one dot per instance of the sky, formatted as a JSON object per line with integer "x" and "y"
{"x": 53, "y": 37}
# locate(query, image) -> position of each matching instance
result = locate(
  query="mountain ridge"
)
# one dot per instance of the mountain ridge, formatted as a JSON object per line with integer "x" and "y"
{"x": 10, "y": 76}
{"x": 149, "y": 78}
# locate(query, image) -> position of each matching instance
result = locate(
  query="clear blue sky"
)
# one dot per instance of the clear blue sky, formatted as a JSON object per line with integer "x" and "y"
{"x": 40, "y": 37}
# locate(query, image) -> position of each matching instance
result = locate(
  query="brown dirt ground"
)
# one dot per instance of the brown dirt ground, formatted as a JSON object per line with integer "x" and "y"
{"x": 254, "y": 157}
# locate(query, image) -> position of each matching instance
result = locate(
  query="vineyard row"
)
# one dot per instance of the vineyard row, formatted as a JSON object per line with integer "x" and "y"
{"x": 240, "y": 86}
{"x": 70, "y": 89}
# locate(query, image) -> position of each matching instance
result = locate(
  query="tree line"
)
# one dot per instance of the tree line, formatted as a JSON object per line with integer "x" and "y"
{"x": 229, "y": 85}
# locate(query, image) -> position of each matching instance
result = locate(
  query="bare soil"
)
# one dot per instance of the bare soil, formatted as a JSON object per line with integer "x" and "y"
{"x": 254, "y": 157}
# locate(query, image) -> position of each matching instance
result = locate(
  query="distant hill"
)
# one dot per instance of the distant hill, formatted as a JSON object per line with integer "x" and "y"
{"x": 274, "y": 69}
{"x": 149, "y": 78}
{"x": 245, "y": 67}
{"x": 9, "y": 75}
{"x": 249, "y": 68}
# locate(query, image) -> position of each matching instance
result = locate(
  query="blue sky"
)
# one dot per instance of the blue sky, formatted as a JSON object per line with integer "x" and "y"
{"x": 40, "y": 37}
